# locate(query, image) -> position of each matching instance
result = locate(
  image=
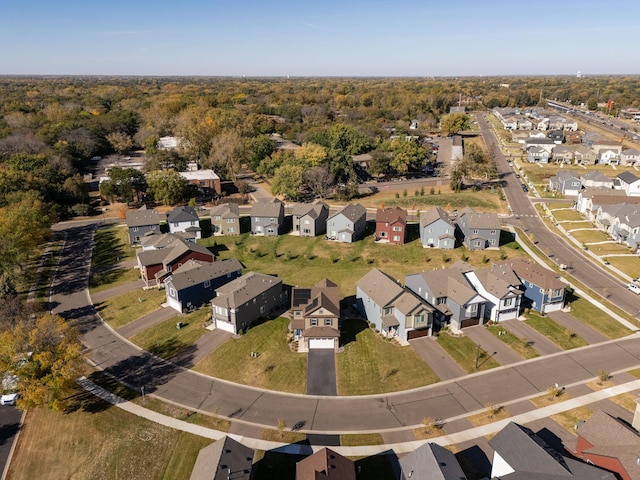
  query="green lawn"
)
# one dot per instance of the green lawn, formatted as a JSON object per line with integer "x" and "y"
{"x": 99, "y": 281}
{"x": 111, "y": 247}
{"x": 587, "y": 313}
{"x": 165, "y": 340}
{"x": 449, "y": 200}
{"x": 355, "y": 440}
{"x": 130, "y": 306}
{"x": 521, "y": 346}
{"x": 276, "y": 367}
{"x": 465, "y": 352}
{"x": 556, "y": 333}
{"x": 370, "y": 364}
{"x": 561, "y": 215}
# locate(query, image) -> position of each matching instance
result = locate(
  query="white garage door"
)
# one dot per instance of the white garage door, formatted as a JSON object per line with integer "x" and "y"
{"x": 222, "y": 325}
{"x": 175, "y": 304}
{"x": 321, "y": 343}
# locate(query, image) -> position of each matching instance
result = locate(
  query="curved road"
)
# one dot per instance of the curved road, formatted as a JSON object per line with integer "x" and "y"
{"x": 172, "y": 382}
{"x": 559, "y": 250}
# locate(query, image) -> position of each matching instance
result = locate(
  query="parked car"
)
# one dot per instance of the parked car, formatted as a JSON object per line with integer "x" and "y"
{"x": 634, "y": 288}
{"x": 524, "y": 187}
{"x": 9, "y": 399}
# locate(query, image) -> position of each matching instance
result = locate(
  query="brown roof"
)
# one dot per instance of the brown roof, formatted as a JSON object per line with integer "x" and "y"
{"x": 531, "y": 271}
{"x": 321, "y": 332}
{"x": 391, "y": 215}
{"x": 226, "y": 210}
{"x": 380, "y": 287}
{"x": 325, "y": 464}
{"x": 243, "y": 289}
{"x": 483, "y": 220}
{"x": 143, "y": 217}
{"x": 272, "y": 208}
{"x": 433, "y": 214}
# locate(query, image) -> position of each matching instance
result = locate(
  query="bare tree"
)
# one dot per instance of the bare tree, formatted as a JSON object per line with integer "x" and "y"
{"x": 319, "y": 180}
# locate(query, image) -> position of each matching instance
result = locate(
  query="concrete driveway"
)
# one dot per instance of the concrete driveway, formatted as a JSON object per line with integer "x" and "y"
{"x": 576, "y": 326}
{"x": 539, "y": 342}
{"x": 499, "y": 350}
{"x": 437, "y": 358}
{"x": 321, "y": 372}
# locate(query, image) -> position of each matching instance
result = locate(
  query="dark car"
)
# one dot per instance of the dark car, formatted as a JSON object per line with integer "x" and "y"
{"x": 524, "y": 187}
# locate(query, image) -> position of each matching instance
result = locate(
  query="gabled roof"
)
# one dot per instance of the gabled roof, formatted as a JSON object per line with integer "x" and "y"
{"x": 480, "y": 220}
{"x": 312, "y": 209}
{"x": 596, "y": 176}
{"x": 143, "y": 217}
{"x": 243, "y": 289}
{"x": 324, "y": 294}
{"x": 380, "y": 287}
{"x": 391, "y": 215}
{"x": 325, "y": 464}
{"x": 226, "y": 210}
{"x": 534, "y": 273}
{"x": 451, "y": 282}
{"x": 182, "y": 214}
{"x": 433, "y": 214}
{"x": 353, "y": 211}
{"x": 175, "y": 247}
{"x": 431, "y": 462}
{"x": 631, "y": 151}
{"x": 194, "y": 272}
{"x": 216, "y": 460}
{"x": 272, "y": 208}
{"x": 500, "y": 280}
{"x": 627, "y": 177}
{"x": 564, "y": 176}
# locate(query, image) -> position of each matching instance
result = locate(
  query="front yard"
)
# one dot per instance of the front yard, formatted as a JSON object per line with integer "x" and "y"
{"x": 469, "y": 356}
{"x": 122, "y": 309}
{"x": 559, "y": 335}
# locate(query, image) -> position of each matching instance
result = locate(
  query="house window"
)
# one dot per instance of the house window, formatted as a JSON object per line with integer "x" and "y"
{"x": 475, "y": 231}
{"x": 172, "y": 292}
{"x": 388, "y": 310}
{"x": 207, "y": 284}
{"x": 216, "y": 217}
{"x": 508, "y": 302}
{"x": 477, "y": 243}
{"x": 383, "y": 234}
{"x": 135, "y": 229}
{"x": 492, "y": 241}
{"x": 430, "y": 230}
{"x": 231, "y": 220}
{"x": 419, "y": 319}
{"x": 327, "y": 322}
{"x": 396, "y": 238}
{"x": 192, "y": 223}
{"x": 314, "y": 322}
{"x": 306, "y": 222}
{"x": 441, "y": 300}
{"x": 262, "y": 309}
{"x": 472, "y": 309}
{"x": 397, "y": 229}
{"x": 221, "y": 310}
{"x": 557, "y": 293}
{"x": 231, "y": 229}
{"x": 297, "y": 313}
{"x": 445, "y": 243}
{"x": 176, "y": 224}
{"x": 493, "y": 232}
{"x": 168, "y": 268}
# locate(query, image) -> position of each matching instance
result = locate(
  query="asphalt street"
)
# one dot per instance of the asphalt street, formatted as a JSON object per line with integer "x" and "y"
{"x": 9, "y": 428}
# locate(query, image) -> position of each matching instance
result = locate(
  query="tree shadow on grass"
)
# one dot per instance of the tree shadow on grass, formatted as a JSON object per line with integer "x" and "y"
{"x": 350, "y": 329}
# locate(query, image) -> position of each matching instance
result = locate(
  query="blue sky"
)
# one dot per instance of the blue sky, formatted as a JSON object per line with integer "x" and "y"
{"x": 319, "y": 38}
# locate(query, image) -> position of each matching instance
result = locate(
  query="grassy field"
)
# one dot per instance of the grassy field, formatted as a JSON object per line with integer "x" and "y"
{"x": 590, "y": 236}
{"x": 521, "y": 346}
{"x": 629, "y": 265}
{"x": 571, "y": 225}
{"x": 610, "y": 248}
{"x": 559, "y": 335}
{"x": 111, "y": 247}
{"x": 354, "y": 440}
{"x": 370, "y": 364}
{"x": 465, "y": 352}
{"x": 483, "y": 200}
{"x": 562, "y": 215}
{"x": 569, "y": 419}
{"x": 122, "y": 309}
{"x": 101, "y": 442}
{"x": 276, "y": 367}
{"x": 166, "y": 341}
{"x": 596, "y": 318}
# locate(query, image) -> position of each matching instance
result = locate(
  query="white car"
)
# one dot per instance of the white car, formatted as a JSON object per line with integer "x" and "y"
{"x": 9, "y": 399}
{"x": 634, "y": 288}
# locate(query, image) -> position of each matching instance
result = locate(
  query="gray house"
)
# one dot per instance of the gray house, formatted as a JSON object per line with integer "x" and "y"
{"x": 630, "y": 157}
{"x": 595, "y": 178}
{"x": 453, "y": 297}
{"x": 184, "y": 219}
{"x": 392, "y": 308}
{"x": 222, "y": 458}
{"x": 537, "y": 154}
{"x": 142, "y": 222}
{"x": 310, "y": 219}
{"x": 501, "y": 287}
{"x": 348, "y": 225}
{"x": 565, "y": 182}
{"x": 225, "y": 219}
{"x": 267, "y": 218}
{"x": 430, "y": 462}
{"x": 245, "y": 300}
{"x": 479, "y": 230}
{"x": 195, "y": 283}
{"x": 436, "y": 229}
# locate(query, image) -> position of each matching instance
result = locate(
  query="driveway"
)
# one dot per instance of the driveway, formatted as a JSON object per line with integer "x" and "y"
{"x": 576, "y": 326}
{"x": 154, "y": 318}
{"x": 437, "y": 358}
{"x": 321, "y": 372}
{"x": 207, "y": 344}
{"x": 539, "y": 342}
{"x": 499, "y": 350}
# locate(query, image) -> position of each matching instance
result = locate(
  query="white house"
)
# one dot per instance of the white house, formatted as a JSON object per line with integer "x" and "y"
{"x": 629, "y": 183}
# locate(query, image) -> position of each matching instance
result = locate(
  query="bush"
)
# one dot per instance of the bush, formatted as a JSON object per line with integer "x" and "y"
{"x": 80, "y": 210}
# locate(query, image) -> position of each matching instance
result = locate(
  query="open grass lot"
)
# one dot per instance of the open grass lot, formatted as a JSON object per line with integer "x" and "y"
{"x": 276, "y": 367}
{"x": 482, "y": 200}
{"x": 562, "y": 337}
{"x": 571, "y": 225}
{"x": 590, "y": 236}
{"x": 305, "y": 261}
{"x": 101, "y": 442}
{"x": 625, "y": 400}
{"x": 629, "y": 265}
{"x": 166, "y": 341}
{"x": 122, "y": 309}
{"x": 370, "y": 364}
{"x": 596, "y": 318}
{"x": 569, "y": 419}
{"x": 521, "y": 346}
{"x": 609, "y": 248}
{"x": 112, "y": 277}
{"x": 465, "y": 352}
{"x": 111, "y": 247}
{"x": 570, "y": 214}
{"x": 354, "y": 440}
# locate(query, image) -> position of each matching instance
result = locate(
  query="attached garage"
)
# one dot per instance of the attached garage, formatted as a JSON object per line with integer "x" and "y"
{"x": 417, "y": 333}
{"x": 175, "y": 304}
{"x": 321, "y": 343}
{"x": 470, "y": 322}
{"x": 226, "y": 326}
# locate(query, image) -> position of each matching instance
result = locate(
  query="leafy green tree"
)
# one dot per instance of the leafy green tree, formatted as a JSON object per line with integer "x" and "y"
{"x": 454, "y": 123}
{"x": 228, "y": 152}
{"x": 120, "y": 141}
{"x": 311, "y": 154}
{"x": 124, "y": 184}
{"x": 592, "y": 104}
{"x": 168, "y": 186}
{"x": 45, "y": 355}
{"x": 287, "y": 181}
{"x": 165, "y": 159}
{"x": 380, "y": 163}
{"x": 258, "y": 149}
{"x": 407, "y": 155}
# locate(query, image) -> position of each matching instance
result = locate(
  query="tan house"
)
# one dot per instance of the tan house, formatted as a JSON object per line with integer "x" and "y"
{"x": 315, "y": 316}
{"x": 225, "y": 219}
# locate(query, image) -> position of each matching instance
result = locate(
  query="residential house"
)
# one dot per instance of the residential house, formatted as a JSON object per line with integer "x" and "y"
{"x": 566, "y": 182}
{"x": 184, "y": 219}
{"x": 310, "y": 219}
{"x": 267, "y": 218}
{"x": 572, "y": 138}
{"x": 502, "y": 289}
{"x": 436, "y": 229}
{"x": 595, "y": 178}
{"x": 521, "y": 453}
{"x": 222, "y": 460}
{"x": 591, "y": 197}
{"x": 194, "y": 283}
{"x": 170, "y": 252}
{"x": 168, "y": 143}
{"x": 543, "y": 290}
{"x": 510, "y": 123}
{"x": 391, "y": 225}
{"x": 519, "y": 136}
{"x": 244, "y": 301}
{"x": 537, "y": 154}
{"x": 562, "y": 154}
{"x": 524, "y": 123}
{"x": 325, "y": 464}
{"x": 430, "y": 462}
{"x": 630, "y": 157}
{"x": 457, "y": 148}
{"x": 608, "y": 157}
{"x": 584, "y": 155}
{"x": 545, "y": 143}
{"x": 542, "y": 124}
{"x": 537, "y": 134}
{"x": 394, "y": 310}
{"x": 590, "y": 138}
{"x": 142, "y": 222}
{"x": 315, "y": 316}
{"x": 449, "y": 291}
{"x": 570, "y": 125}
{"x": 225, "y": 219}
{"x": 207, "y": 181}
{"x": 625, "y": 223}
{"x": 602, "y": 145}
{"x": 629, "y": 183}
{"x": 348, "y": 225}
{"x": 556, "y": 122}
{"x": 362, "y": 161}
{"x": 480, "y": 230}
{"x": 556, "y": 135}
{"x": 609, "y": 443}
